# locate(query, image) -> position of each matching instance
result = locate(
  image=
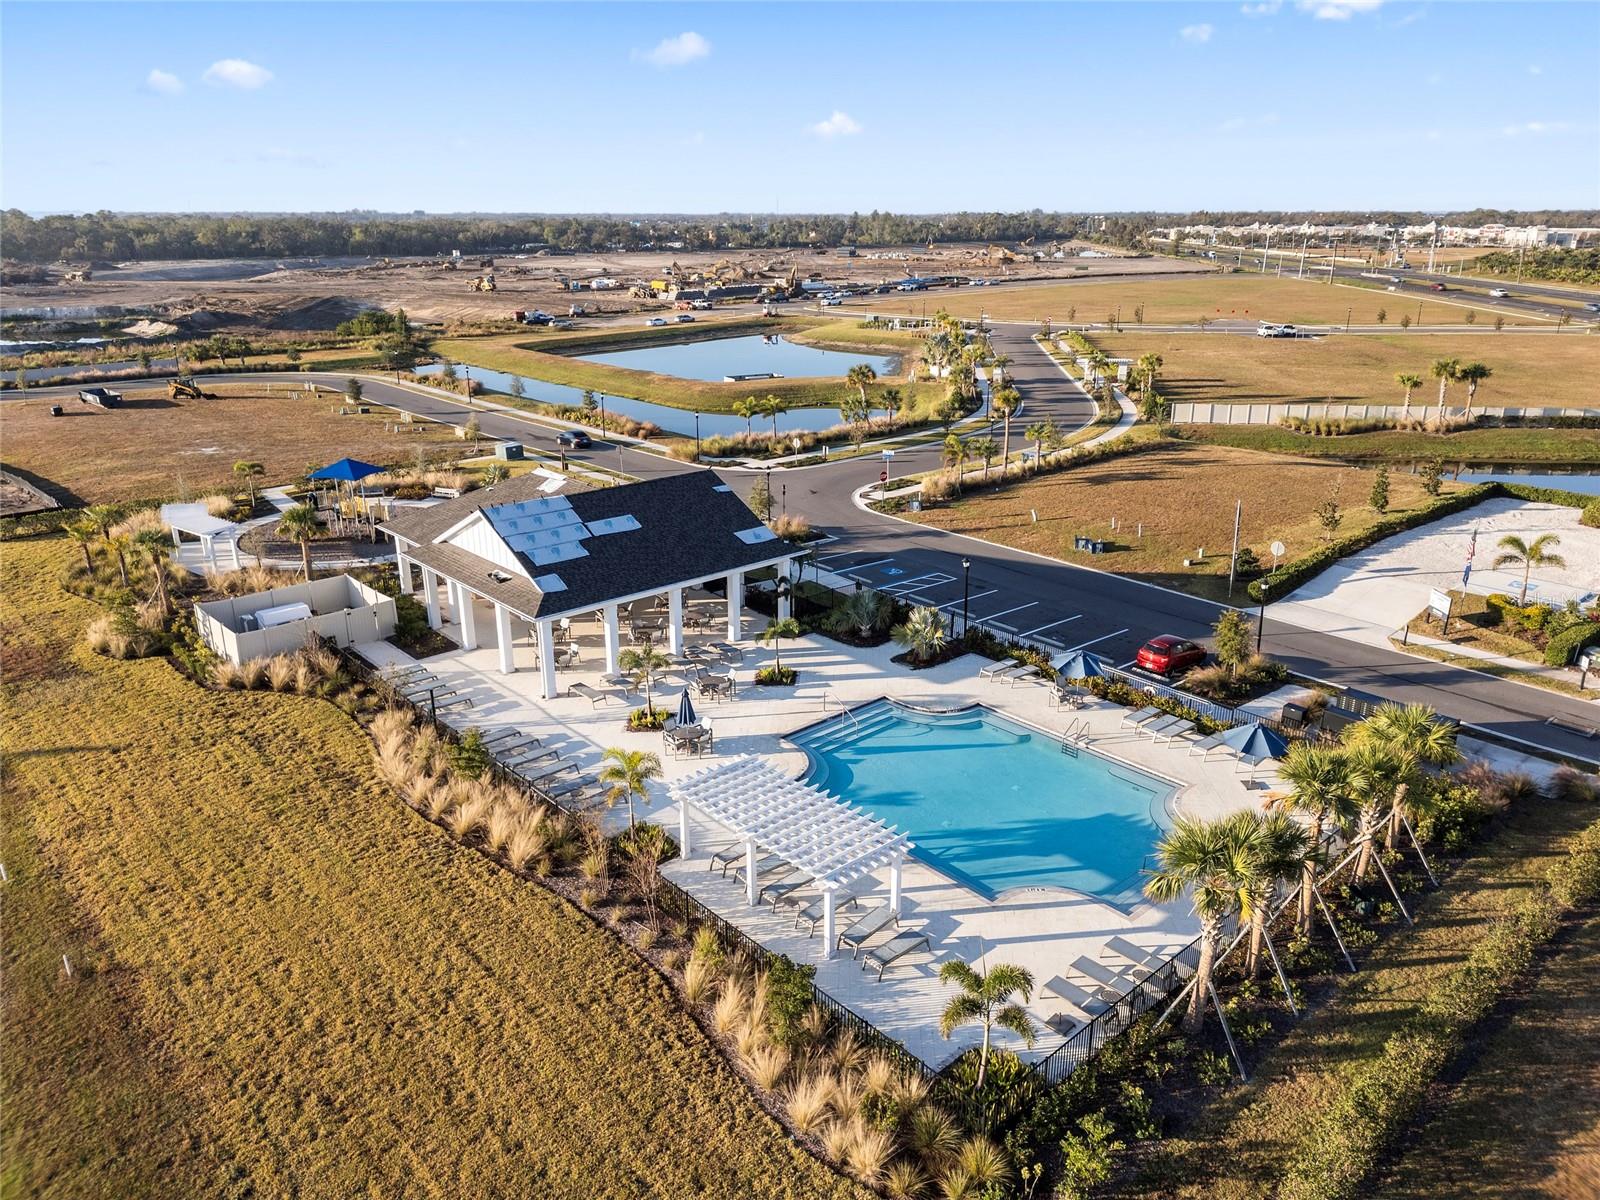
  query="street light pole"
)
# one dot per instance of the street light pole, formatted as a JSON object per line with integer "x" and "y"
{"x": 769, "y": 491}
{"x": 1261, "y": 615}
{"x": 697, "y": 436}
{"x": 966, "y": 595}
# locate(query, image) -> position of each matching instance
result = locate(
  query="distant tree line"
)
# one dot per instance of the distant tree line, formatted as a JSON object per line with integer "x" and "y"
{"x": 111, "y": 236}
{"x": 1556, "y": 265}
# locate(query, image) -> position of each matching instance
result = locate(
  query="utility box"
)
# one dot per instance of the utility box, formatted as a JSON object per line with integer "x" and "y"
{"x": 509, "y": 451}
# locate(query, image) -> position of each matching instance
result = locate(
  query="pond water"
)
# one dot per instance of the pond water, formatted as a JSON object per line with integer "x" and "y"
{"x": 1567, "y": 479}
{"x": 714, "y": 359}
{"x": 673, "y": 420}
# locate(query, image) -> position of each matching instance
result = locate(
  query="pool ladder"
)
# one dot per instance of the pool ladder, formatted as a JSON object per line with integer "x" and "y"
{"x": 1076, "y": 734}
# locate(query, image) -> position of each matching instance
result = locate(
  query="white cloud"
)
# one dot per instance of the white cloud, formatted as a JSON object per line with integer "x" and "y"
{"x": 293, "y": 158}
{"x": 1236, "y": 124}
{"x": 841, "y": 124}
{"x": 1535, "y": 128}
{"x": 238, "y": 73}
{"x": 1337, "y": 10}
{"x": 1197, "y": 34}
{"x": 163, "y": 83}
{"x": 675, "y": 51}
{"x": 1266, "y": 8}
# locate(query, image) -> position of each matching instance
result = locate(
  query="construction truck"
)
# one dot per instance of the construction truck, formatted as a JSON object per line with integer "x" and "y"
{"x": 185, "y": 388}
{"x": 483, "y": 283}
{"x": 999, "y": 254}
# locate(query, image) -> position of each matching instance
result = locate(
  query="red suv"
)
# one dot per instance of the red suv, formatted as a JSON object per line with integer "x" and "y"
{"x": 1167, "y": 654}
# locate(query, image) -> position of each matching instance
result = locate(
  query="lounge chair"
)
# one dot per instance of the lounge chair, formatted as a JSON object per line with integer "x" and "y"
{"x": 1114, "y": 982}
{"x": 525, "y": 757}
{"x": 901, "y": 944}
{"x": 1173, "y": 731}
{"x": 568, "y": 764}
{"x": 1141, "y": 716}
{"x": 620, "y": 683}
{"x": 781, "y": 890}
{"x": 1090, "y": 1003}
{"x": 505, "y": 737}
{"x": 811, "y": 914}
{"x": 999, "y": 668}
{"x": 1204, "y": 746}
{"x": 728, "y": 651}
{"x": 1156, "y": 726}
{"x": 870, "y": 923}
{"x": 1150, "y": 960}
{"x": 1020, "y": 675}
{"x": 572, "y": 787}
{"x": 764, "y": 866}
{"x": 596, "y": 696}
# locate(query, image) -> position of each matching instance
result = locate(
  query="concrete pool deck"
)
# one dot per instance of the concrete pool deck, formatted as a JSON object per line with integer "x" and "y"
{"x": 1043, "y": 930}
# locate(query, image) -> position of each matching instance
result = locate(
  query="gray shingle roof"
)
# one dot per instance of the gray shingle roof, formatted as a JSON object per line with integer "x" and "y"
{"x": 688, "y": 529}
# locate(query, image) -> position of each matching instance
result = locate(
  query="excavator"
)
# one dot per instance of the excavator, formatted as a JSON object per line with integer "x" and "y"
{"x": 185, "y": 388}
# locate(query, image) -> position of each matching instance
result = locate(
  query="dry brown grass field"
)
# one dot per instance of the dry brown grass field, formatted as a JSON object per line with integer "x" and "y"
{"x": 1184, "y": 495}
{"x": 1561, "y": 370}
{"x": 1185, "y": 299}
{"x": 155, "y": 447}
{"x": 287, "y": 983}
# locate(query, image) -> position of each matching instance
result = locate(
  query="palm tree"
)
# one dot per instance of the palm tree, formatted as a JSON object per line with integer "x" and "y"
{"x": 985, "y": 448}
{"x": 866, "y": 610}
{"x": 643, "y": 662}
{"x": 629, "y": 773}
{"x": 922, "y": 633}
{"x": 1213, "y": 862}
{"x": 299, "y": 524}
{"x": 1375, "y": 772}
{"x": 1318, "y": 778}
{"x": 119, "y": 544}
{"x": 1410, "y": 382}
{"x": 748, "y": 408}
{"x": 1036, "y": 433}
{"x": 955, "y": 452}
{"x": 84, "y": 532}
{"x": 774, "y": 634}
{"x": 774, "y": 407}
{"x": 157, "y": 549}
{"x": 1005, "y": 401}
{"x": 1529, "y": 555}
{"x": 1280, "y": 846}
{"x": 858, "y": 377}
{"x": 250, "y": 472}
{"x": 1147, "y": 366}
{"x": 1416, "y": 738}
{"x": 103, "y": 517}
{"x": 989, "y": 999}
{"x": 1446, "y": 371}
{"x": 1472, "y": 374}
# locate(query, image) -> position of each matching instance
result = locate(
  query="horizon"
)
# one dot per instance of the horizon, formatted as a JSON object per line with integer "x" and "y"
{"x": 683, "y": 109}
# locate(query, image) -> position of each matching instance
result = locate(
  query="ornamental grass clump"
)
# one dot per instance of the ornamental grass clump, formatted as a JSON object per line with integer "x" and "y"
{"x": 869, "y": 1153}
{"x": 698, "y": 977}
{"x": 904, "y": 1180}
{"x": 767, "y": 1066}
{"x": 733, "y": 1002}
{"x": 810, "y": 1101}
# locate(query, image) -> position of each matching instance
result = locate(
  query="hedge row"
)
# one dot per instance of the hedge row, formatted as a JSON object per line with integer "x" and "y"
{"x": 1344, "y": 1146}
{"x": 1565, "y": 646}
{"x": 1299, "y": 571}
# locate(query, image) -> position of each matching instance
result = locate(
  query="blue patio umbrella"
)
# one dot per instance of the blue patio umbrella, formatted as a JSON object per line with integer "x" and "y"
{"x": 1254, "y": 743}
{"x": 1075, "y": 664}
{"x": 686, "y": 715}
{"x": 346, "y": 470}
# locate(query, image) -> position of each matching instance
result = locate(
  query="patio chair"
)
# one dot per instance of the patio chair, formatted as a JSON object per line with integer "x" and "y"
{"x": 780, "y": 890}
{"x": 689, "y": 739}
{"x": 568, "y": 655}
{"x": 596, "y": 696}
{"x": 1204, "y": 746}
{"x": 1140, "y": 716}
{"x": 719, "y": 687}
{"x": 1157, "y": 725}
{"x": 1150, "y": 960}
{"x": 811, "y": 914}
{"x": 1067, "y": 695}
{"x": 1173, "y": 731}
{"x": 901, "y": 944}
{"x": 997, "y": 668}
{"x": 873, "y": 921}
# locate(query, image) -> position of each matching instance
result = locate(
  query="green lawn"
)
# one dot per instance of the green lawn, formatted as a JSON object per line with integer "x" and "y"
{"x": 288, "y": 984}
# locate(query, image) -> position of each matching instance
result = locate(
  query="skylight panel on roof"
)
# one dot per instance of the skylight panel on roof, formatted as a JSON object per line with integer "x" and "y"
{"x": 626, "y": 523}
{"x": 549, "y": 583}
{"x": 754, "y": 537}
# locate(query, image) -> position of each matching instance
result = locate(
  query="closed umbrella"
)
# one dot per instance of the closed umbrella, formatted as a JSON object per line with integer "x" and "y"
{"x": 1075, "y": 664}
{"x": 686, "y": 714}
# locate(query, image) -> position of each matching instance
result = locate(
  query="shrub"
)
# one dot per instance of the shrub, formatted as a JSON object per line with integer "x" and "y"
{"x": 1573, "y": 786}
{"x": 1575, "y": 879}
{"x": 776, "y": 676}
{"x": 788, "y": 992}
{"x": 1453, "y": 816}
{"x": 1086, "y": 1156}
{"x": 647, "y": 719}
{"x": 1591, "y": 514}
{"x": 1565, "y": 646}
{"x": 468, "y": 757}
{"x": 809, "y": 1102}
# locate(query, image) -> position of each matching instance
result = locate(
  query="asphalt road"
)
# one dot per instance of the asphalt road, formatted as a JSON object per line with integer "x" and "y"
{"x": 1057, "y": 603}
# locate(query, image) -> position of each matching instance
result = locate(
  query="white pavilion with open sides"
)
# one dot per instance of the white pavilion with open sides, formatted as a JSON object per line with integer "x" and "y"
{"x": 835, "y": 843}
{"x": 519, "y": 558}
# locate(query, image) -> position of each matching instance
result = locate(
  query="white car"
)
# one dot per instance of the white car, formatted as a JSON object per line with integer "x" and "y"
{"x": 656, "y": 321}
{"x": 1499, "y": 293}
{"x": 830, "y": 302}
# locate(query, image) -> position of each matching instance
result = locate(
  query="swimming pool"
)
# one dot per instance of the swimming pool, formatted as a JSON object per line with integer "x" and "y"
{"x": 992, "y": 803}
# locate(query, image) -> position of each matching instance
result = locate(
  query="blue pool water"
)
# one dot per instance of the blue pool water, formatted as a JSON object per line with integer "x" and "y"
{"x": 993, "y": 804}
{"x": 714, "y": 359}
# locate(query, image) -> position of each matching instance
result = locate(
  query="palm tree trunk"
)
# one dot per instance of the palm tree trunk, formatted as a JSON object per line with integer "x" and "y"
{"x": 983, "y": 1057}
{"x": 1369, "y": 834}
{"x": 305, "y": 556}
{"x": 1196, "y": 1014}
{"x": 1308, "y": 881}
{"x": 122, "y": 566}
{"x": 88, "y": 560}
{"x": 1394, "y": 817}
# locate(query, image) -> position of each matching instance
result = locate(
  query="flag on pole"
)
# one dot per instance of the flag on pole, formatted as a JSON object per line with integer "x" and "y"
{"x": 1472, "y": 550}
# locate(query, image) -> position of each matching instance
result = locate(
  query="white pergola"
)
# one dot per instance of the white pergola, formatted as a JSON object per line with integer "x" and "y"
{"x": 820, "y": 835}
{"x": 213, "y": 532}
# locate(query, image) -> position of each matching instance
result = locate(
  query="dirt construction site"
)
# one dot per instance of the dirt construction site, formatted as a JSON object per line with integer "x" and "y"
{"x": 200, "y": 297}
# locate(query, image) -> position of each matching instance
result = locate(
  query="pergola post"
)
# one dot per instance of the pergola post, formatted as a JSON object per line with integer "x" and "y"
{"x": 547, "y": 659}
{"x": 502, "y": 637}
{"x": 430, "y": 596}
{"x": 233, "y": 550}
{"x": 894, "y": 884}
{"x": 684, "y": 847}
{"x": 675, "y": 620}
{"x": 828, "y": 901}
{"x": 785, "y": 595}
{"x": 750, "y": 871}
{"x": 613, "y": 636}
{"x": 403, "y": 565}
{"x": 736, "y": 606}
{"x": 469, "y": 620}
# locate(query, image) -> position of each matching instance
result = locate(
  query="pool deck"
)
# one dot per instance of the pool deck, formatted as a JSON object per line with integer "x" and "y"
{"x": 1043, "y": 930}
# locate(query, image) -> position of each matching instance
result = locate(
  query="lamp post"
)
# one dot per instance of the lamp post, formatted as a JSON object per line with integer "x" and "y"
{"x": 1261, "y": 615}
{"x": 697, "y": 435}
{"x": 783, "y": 509}
{"x": 769, "y": 491}
{"x": 966, "y": 594}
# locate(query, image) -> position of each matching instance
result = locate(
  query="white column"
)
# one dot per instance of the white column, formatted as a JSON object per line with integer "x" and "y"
{"x": 547, "y": 659}
{"x": 827, "y": 923}
{"x": 613, "y": 635}
{"x": 750, "y": 871}
{"x": 469, "y": 620}
{"x": 233, "y": 549}
{"x": 430, "y": 596}
{"x": 894, "y": 886}
{"x": 452, "y": 597}
{"x": 735, "y": 606}
{"x": 502, "y": 637}
{"x": 675, "y": 620}
{"x": 403, "y": 564}
{"x": 683, "y": 830}
{"x": 785, "y": 602}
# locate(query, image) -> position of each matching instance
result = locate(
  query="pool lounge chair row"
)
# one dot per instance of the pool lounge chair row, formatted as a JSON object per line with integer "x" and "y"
{"x": 1096, "y": 987}
{"x": 1012, "y": 671}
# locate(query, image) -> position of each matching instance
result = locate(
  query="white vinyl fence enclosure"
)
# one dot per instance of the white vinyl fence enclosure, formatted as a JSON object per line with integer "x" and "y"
{"x": 343, "y": 609}
{"x": 1193, "y": 413}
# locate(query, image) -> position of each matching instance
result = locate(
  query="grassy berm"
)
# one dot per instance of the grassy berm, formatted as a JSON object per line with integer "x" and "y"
{"x": 287, "y": 984}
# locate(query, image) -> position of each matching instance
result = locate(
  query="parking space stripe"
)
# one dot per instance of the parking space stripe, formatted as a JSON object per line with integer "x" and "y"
{"x": 877, "y": 562}
{"x": 1092, "y": 641}
{"x": 1005, "y": 611}
{"x": 958, "y": 600}
{"x": 1051, "y": 625}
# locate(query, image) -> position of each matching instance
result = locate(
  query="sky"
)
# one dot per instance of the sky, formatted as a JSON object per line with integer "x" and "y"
{"x": 777, "y": 107}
